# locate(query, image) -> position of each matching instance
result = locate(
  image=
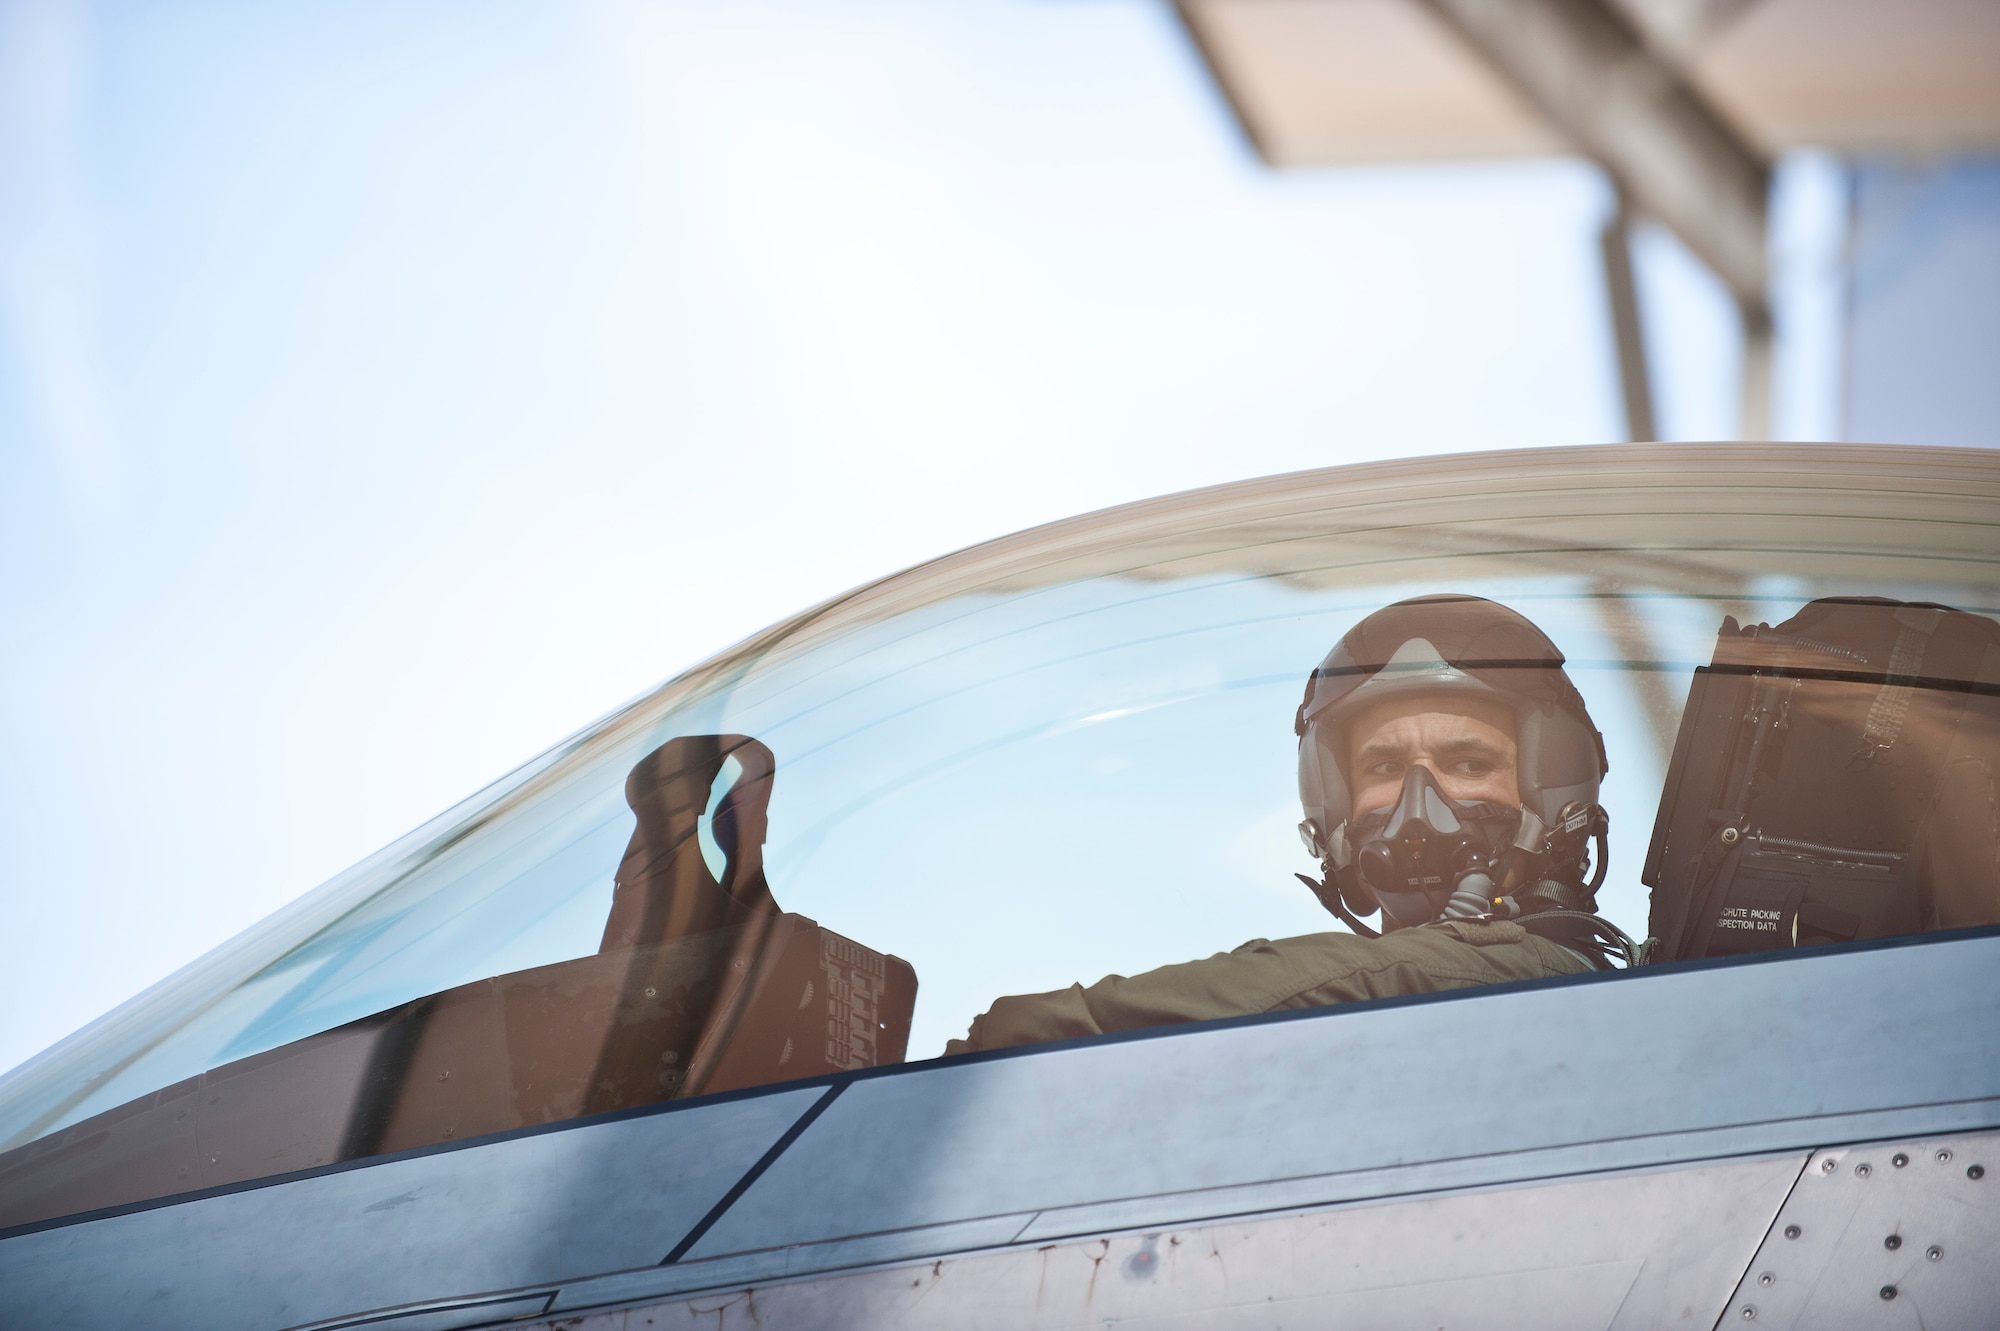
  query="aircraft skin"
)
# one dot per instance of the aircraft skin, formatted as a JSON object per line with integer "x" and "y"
{"x": 1798, "y": 1138}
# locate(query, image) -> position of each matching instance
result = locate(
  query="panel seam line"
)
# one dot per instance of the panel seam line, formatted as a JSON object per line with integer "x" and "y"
{"x": 1770, "y": 1229}
{"x": 751, "y": 1175}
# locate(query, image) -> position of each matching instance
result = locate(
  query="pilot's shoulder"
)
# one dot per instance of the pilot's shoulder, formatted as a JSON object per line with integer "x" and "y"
{"x": 1317, "y": 969}
{"x": 1438, "y": 935}
{"x": 1479, "y": 933}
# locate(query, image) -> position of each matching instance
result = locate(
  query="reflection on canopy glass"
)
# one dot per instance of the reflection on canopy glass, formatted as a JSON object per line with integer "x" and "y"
{"x": 1523, "y": 715}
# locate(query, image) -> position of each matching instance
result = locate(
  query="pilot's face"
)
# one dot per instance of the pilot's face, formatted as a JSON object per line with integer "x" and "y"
{"x": 1467, "y": 745}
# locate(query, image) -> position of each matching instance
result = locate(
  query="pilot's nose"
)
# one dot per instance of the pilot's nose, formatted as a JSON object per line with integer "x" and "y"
{"x": 1437, "y": 773}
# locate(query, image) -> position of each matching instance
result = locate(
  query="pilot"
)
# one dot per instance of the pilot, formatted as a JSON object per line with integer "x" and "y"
{"x": 1449, "y": 773}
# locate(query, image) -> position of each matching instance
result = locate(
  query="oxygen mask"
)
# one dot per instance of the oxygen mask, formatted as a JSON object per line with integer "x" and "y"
{"x": 1429, "y": 855}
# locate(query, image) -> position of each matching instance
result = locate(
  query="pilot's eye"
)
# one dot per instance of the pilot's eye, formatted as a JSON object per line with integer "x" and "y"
{"x": 1472, "y": 767}
{"x": 1383, "y": 767}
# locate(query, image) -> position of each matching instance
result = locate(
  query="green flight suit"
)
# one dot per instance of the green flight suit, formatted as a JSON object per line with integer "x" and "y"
{"x": 1263, "y": 976}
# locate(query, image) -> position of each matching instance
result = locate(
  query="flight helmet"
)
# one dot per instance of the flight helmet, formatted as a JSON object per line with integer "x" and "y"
{"x": 1444, "y": 647}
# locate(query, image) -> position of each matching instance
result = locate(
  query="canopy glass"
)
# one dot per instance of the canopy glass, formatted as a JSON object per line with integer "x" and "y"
{"x": 1063, "y": 755}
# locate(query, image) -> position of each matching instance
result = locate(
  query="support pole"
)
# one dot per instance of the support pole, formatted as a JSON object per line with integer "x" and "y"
{"x": 1628, "y": 335}
{"x": 1756, "y": 389}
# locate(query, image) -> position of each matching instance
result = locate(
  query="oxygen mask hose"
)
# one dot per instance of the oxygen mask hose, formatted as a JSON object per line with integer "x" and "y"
{"x": 1473, "y": 898}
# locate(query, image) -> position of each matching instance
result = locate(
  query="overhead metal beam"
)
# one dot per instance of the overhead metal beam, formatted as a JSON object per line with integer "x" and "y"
{"x": 1591, "y": 73}
{"x": 1622, "y": 100}
{"x": 1671, "y": 155}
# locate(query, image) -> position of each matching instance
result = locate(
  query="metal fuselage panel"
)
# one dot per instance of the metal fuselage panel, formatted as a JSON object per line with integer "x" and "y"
{"x": 1625, "y": 1250}
{"x": 1564, "y": 1100}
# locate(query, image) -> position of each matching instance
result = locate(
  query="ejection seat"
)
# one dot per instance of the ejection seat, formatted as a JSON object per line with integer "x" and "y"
{"x": 1834, "y": 779}
{"x": 700, "y": 985}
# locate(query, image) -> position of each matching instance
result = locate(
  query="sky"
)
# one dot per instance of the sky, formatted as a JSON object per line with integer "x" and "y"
{"x": 389, "y": 390}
